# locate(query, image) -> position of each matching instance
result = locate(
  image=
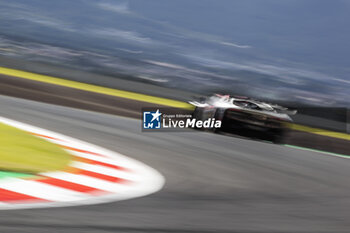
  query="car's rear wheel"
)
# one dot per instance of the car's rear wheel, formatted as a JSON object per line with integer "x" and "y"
{"x": 196, "y": 113}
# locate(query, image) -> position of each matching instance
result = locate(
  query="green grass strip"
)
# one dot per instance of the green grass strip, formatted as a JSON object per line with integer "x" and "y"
{"x": 5, "y": 174}
{"x": 319, "y": 151}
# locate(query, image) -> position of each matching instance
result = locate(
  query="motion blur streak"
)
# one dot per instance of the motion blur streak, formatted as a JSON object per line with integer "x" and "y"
{"x": 214, "y": 183}
{"x": 138, "y": 97}
{"x": 94, "y": 88}
{"x": 89, "y": 68}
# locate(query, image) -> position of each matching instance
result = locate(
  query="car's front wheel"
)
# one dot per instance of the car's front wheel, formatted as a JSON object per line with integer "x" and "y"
{"x": 196, "y": 113}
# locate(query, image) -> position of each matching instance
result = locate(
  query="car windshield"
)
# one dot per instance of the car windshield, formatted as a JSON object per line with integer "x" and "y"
{"x": 246, "y": 104}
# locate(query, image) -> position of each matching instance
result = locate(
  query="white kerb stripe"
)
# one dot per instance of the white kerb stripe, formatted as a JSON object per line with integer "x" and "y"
{"x": 95, "y": 158}
{"x": 41, "y": 190}
{"x": 87, "y": 181}
{"x": 3, "y": 204}
{"x": 105, "y": 170}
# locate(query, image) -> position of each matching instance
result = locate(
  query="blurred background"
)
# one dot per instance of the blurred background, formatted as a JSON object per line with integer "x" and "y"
{"x": 276, "y": 50}
{"x": 152, "y": 52}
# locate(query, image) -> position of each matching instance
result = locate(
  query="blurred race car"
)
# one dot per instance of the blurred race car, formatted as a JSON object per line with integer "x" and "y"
{"x": 245, "y": 116}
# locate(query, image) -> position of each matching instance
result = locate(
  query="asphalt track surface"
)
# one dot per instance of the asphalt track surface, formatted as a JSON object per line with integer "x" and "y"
{"x": 214, "y": 183}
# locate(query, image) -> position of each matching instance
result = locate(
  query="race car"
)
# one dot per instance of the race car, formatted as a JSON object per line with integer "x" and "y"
{"x": 245, "y": 116}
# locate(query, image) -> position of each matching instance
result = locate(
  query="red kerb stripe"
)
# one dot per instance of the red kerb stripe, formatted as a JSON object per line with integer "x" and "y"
{"x": 95, "y": 162}
{"x": 103, "y": 177}
{"x": 82, "y": 151}
{"x": 9, "y": 196}
{"x": 70, "y": 185}
{"x": 44, "y": 136}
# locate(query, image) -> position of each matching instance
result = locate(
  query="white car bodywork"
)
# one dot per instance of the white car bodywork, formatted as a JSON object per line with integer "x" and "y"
{"x": 244, "y": 116}
{"x": 248, "y": 105}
